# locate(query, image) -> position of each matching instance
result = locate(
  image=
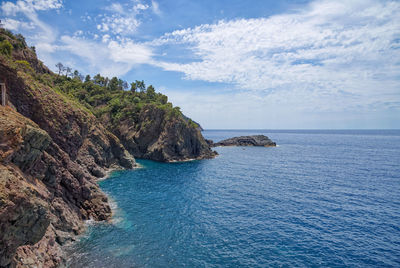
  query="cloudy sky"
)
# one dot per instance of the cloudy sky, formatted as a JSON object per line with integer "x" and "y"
{"x": 259, "y": 64}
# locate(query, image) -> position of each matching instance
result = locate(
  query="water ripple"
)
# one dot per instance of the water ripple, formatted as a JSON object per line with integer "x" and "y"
{"x": 321, "y": 199}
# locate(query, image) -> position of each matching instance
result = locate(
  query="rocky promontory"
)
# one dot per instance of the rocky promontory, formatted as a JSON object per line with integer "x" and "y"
{"x": 58, "y": 135}
{"x": 158, "y": 136}
{"x": 256, "y": 140}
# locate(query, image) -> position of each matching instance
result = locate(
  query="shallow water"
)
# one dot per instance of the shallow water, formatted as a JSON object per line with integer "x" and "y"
{"x": 322, "y": 198}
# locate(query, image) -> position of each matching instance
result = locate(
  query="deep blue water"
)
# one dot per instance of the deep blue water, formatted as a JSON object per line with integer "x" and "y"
{"x": 322, "y": 198}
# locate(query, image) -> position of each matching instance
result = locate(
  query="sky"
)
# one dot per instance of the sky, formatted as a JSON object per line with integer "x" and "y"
{"x": 229, "y": 64}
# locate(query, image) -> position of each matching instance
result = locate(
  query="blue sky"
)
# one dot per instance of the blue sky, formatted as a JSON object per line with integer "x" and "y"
{"x": 256, "y": 64}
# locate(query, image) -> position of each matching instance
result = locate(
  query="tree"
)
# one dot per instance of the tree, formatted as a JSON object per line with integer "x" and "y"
{"x": 60, "y": 67}
{"x": 125, "y": 85}
{"x": 114, "y": 84}
{"x": 140, "y": 85}
{"x": 87, "y": 78}
{"x": 151, "y": 92}
{"x": 163, "y": 99}
{"x": 133, "y": 87}
{"x": 76, "y": 74}
{"x": 99, "y": 80}
{"x": 68, "y": 71}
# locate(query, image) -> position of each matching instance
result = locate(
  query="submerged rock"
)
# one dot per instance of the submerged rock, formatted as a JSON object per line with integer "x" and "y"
{"x": 256, "y": 140}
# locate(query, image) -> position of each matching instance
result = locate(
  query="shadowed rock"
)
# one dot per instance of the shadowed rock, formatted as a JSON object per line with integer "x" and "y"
{"x": 160, "y": 137}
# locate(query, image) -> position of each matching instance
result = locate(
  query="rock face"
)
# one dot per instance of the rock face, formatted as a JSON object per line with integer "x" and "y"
{"x": 159, "y": 137}
{"x": 24, "y": 216}
{"x": 256, "y": 140}
{"x": 51, "y": 153}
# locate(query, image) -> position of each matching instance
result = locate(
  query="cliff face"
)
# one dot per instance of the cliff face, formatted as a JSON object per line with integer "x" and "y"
{"x": 49, "y": 165}
{"x": 159, "y": 136}
{"x": 53, "y": 150}
{"x": 24, "y": 212}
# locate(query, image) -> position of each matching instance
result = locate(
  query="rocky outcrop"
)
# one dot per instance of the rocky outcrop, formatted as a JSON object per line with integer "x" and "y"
{"x": 256, "y": 140}
{"x": 22, "y": 52}
{"x": 53, "y": 150}
{"x": 163, "y": 137}
{"x": 49, "y": 167}
{"x": 24, "y": 212}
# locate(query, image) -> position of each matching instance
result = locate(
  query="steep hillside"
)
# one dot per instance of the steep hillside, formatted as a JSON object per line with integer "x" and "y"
{"x": 49, "y": 164}
{"x": 58, "y": 135}
{"x": 147, "y": 124}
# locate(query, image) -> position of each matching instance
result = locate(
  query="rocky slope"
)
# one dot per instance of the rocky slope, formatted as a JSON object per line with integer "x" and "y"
{"x": 159, "y": 137}
{"x": 52, "y": 151}
{"x": 256, "y": 140}
{"x": 24, "y": 216}
{"x": 48, "y": 168}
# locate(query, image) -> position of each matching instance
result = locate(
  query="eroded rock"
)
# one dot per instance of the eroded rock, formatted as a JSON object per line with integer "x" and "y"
{"x": 157, "y": 136}
{"x": 256, "y": 140}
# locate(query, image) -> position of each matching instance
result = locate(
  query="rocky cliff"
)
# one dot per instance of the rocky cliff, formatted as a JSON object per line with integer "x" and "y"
{"x": 51, "y": 153}
{"x": 24, "y": 212}
{"x": 53, "y": 149}
{"x": 162, "y": 137}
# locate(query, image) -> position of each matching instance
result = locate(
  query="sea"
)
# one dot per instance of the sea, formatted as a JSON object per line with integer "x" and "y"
{"x": 321, "y": 198}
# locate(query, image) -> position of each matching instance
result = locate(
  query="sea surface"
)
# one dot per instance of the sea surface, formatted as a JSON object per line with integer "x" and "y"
{"x": 322, "y": 198}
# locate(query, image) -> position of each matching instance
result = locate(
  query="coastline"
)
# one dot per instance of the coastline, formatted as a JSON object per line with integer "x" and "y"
{"x": 112, "y": 169}
{"x": 68, "y": 249}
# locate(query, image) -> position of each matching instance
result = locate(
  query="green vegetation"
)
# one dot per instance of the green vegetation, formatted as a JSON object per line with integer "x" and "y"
{"x": 6, "y": 48}
{"x": 192, "y": 124}
{"x": 24, "y": 65}
{"x": 110, "y": 98}
{"x": 113, "y": 100}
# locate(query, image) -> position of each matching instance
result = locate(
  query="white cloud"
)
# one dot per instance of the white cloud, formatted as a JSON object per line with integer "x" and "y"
{"x": 9, "y": 8}
{"x": 129, "y": 52}
{"x": 123, "y": 19}
{"x": 41, "y": 34}
{"x": 330, "y": 50}
{"x": 138, "y": 7}
{"x": 118, "y": 24}
{"x": 110, "y": 58}
{"x": 116, "y": 7}
{"x": 155, "y": 7}
{"x": 78, "y": 33}
{"x": 16, "y": 25}
{"x": 105, "y": 38}
{"x": 108, "y": 55}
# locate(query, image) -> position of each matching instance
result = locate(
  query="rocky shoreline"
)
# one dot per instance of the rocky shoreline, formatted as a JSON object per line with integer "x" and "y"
{"x": 53, "y": 150}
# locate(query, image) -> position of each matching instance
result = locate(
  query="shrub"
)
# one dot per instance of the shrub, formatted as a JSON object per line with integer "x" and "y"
{"x": 6, "y": 48}
{"x": 192, "y": 124}
{"x": 21, "y": 43}
{"x": 23, "y": 63}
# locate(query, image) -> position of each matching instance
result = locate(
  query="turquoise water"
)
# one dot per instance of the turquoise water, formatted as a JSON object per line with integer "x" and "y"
{"x": 322, "y": 198}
